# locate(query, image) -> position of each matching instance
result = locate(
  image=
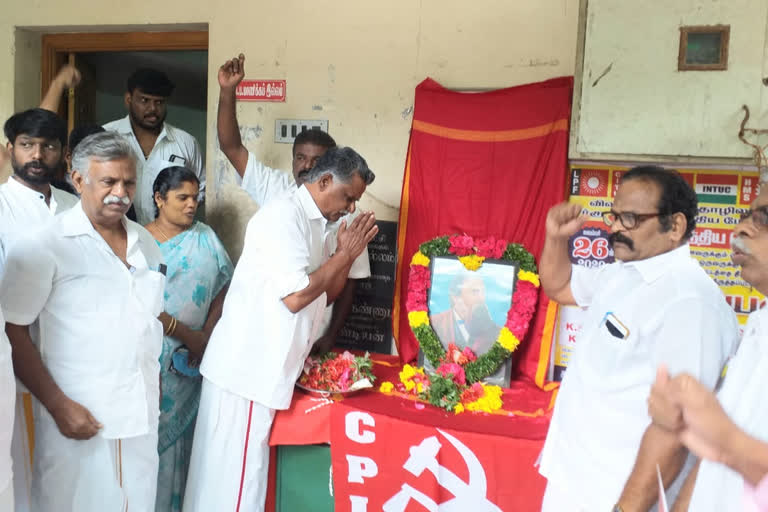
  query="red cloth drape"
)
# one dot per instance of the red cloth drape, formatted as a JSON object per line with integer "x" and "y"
{"x": 485, "y": 164}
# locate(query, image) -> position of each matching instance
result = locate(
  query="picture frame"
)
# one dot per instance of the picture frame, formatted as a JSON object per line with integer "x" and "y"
{"x": 469, "y": 308}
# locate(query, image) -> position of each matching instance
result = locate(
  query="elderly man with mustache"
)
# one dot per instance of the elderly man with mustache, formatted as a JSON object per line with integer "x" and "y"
{"x": 653, "y": 306}
{"x": 729, "y": 431}
{"x": 94, "y": 281}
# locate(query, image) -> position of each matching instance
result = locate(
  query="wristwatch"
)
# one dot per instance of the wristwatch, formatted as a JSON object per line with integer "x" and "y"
{"x": 617, "y": 508}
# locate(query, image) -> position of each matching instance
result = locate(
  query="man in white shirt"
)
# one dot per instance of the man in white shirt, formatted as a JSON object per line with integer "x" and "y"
{"x": 279, "y": 290}
{"x": 682, "y": 407}
{"x": 94, "y": 282}
{"x": 157, "y": 144}
{"x": 654, "y": 305}
{"x": 264, "y": 184}
{"x": 36, "y": 140}
{"x": 7, "y": 400}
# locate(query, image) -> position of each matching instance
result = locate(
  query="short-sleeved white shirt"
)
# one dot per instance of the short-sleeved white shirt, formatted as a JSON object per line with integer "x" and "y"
{"x": 743, "y": 397}
{"x": 23, "y": 210}
{"x": 264, "y": 183}
{"x": 668, "y": 311}
{"x": 173, "y": 146}
{"x": 7, "y": 401}
{"x": 100, "y": 338}
{"x": 258, "y": 347}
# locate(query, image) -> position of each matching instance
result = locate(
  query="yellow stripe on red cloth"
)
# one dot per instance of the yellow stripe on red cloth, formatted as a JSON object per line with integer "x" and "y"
{"x": 402, "y": 266}
{"x": 545, "y": 347}
{"x": 559, "y": 125}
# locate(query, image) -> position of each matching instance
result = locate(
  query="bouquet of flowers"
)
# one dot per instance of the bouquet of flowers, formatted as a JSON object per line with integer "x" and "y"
{"x": 337, "y": 373}
{"x": 447, "y": 387}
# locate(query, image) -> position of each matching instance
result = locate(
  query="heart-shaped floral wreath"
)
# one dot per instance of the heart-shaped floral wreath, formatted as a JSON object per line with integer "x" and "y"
{"x": 472, "y": 253}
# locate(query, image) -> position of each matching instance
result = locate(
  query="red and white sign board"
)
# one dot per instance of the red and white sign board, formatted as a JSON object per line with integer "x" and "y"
{"x": 261, "y": 90}
{"x": 381, "y": 463}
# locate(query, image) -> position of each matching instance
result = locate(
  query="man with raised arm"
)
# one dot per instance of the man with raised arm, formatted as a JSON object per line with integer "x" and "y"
{"x": 264, "y": 184}
{"x": 653, "y": 305}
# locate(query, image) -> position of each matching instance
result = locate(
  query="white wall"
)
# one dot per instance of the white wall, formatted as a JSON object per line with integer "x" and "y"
{"x": 353, "y": 63}
{"x": 635, "y": 102}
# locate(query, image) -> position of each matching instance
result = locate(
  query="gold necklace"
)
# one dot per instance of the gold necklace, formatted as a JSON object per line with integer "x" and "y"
{"x": 161, "y": 232}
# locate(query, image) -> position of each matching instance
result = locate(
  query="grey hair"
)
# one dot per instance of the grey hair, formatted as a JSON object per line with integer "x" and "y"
{"x": 341, "y": 163}
{"x": 102, "y": 147}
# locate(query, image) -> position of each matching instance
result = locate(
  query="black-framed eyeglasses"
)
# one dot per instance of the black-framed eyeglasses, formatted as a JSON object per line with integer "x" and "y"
{"x": 630, "y": 220}
{"x": 758, "y": 215}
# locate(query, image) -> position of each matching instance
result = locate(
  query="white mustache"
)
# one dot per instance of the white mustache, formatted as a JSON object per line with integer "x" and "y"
{"x": 738, "y": 244}
{"x": 115, "y": 199}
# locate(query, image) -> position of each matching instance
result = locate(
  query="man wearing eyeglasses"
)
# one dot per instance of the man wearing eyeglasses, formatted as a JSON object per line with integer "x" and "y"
{"x": 653, "y": 306}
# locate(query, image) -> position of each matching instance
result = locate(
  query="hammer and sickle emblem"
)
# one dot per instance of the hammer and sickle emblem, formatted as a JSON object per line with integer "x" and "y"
{"x": 470, "y": 495}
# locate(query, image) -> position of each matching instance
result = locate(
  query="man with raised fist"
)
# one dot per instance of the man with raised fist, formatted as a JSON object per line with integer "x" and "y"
{"x": 653, "y": 306}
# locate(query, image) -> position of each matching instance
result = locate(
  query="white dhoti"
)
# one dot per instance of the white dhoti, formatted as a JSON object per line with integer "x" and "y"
{"x": 6, "y": 497}
{"x": 230, "y": 453}
{"x": 21, "y": 452}
{"x": 96, "y": 475}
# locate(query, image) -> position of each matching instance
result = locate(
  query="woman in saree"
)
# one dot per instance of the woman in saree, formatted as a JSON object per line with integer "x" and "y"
{"x": 198, "y": 272}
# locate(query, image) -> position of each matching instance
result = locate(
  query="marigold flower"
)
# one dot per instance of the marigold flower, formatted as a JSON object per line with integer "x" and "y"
{"x": 508, "y": 340}
{"x": 386, "y": 387}
{"x": 471, "y": 262}
{"x": 417, "y": 318}
{"x": 420, "y": 259}
{"x": 530, "y": 277}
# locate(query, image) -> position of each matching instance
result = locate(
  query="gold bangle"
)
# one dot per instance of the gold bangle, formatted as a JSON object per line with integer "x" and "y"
{"x": 174, "y": 324}
{"x": 171, "y": 327}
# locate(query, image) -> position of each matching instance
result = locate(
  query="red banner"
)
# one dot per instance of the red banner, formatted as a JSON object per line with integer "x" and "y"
{"x": 485, "y": 164}
{"x": 385, "y": 464}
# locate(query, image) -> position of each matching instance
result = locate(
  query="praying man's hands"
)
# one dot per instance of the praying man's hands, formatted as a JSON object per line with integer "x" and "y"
{"x": 232, "y": 72}
{"x": 353, "y": 239}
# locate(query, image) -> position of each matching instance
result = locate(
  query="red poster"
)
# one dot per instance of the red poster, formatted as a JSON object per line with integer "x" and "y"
{"x": 261, "y": 90}
{"x": 385, "y": 464}
{"x": 749, "y": 189}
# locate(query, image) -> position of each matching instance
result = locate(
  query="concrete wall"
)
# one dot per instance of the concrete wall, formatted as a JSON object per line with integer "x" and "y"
{"x": 633, "y": 99}
{"x": 353, "y": 63}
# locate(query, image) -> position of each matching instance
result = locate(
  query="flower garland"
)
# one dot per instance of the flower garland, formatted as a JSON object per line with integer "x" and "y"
{"x": 472, "y": 253}
{"x": 455, "y": 385}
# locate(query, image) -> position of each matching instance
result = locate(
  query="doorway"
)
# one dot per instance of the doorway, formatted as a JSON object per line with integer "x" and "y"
{"x": 105, "y": 61}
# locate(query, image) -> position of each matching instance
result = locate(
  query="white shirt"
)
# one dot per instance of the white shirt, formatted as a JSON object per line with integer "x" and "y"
{"x": 23, "y": 210}
{"x": 670, "y": 312}
{"x": 264, "y": 183}
{"x": 7, "y": 401}
{"x": 173, "y": 146}
{"x": 743, "y": 397}
{"x": 258, "y": 347}
{"x": 99, "y": 334}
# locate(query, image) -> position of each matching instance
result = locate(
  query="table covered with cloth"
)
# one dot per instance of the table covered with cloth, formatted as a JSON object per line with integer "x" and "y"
{"x": 392, "y": 452}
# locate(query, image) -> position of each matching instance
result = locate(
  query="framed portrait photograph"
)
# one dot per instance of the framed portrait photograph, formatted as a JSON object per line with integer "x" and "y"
{"x": 469, "y": 308}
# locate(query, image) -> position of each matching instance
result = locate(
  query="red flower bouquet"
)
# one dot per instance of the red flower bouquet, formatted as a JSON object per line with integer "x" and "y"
{"x": 337, "y": 373}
